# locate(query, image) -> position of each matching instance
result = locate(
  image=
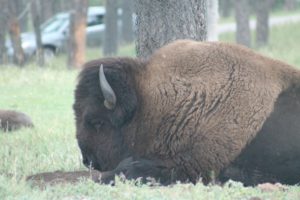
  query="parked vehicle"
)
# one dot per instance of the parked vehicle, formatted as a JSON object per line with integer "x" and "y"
{"x": 55, "y": 33}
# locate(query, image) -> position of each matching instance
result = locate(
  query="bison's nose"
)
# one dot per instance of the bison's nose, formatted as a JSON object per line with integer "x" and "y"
{"x": 89, "y": 162}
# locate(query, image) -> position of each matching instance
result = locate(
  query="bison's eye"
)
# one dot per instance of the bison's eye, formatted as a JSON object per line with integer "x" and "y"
{"x": 99, "y": 125}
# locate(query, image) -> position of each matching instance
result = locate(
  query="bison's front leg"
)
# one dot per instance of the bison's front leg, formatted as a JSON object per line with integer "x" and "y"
{"x": 146, "y": 170}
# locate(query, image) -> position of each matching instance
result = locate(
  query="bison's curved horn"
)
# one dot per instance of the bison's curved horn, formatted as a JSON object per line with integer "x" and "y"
{"x": 107, "y": 91}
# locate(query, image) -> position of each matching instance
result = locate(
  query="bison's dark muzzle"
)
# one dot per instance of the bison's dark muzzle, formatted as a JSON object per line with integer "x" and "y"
{"x": 89, "y": 162}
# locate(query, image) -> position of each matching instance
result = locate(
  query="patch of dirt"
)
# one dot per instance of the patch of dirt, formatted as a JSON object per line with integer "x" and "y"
{"x": 269, "y": 187}
{"x": 59, "y": 177}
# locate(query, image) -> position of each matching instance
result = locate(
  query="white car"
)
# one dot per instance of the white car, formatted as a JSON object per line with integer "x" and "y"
{"x": 55, "y": 32}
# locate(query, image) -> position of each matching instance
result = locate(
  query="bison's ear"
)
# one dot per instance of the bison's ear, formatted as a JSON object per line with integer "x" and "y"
{"x": 126, "y": 100}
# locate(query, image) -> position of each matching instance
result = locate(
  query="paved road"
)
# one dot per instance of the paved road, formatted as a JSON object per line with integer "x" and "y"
{"x": 231, "y": 27}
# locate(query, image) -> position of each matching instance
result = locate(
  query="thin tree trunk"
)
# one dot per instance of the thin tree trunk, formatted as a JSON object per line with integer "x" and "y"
{"x": 160, "y": 22}
{"x": 36, "y": 19}
{"x": 3, "y": 30}
{"x": 127, "y": 21}
{"x": 242, "y": 14}
{"x": 72, "y": 47}
{"x": 77, "y": 41}
{"x": 14, "y": 32}
{"x": 212, "y": 20}
{"x": 262, "y": 9}
{"x": 225, "y": 7}
{"x": 22, "y": 14}
{"x": 3, "y": 54}
{"x": 110, "y": 46}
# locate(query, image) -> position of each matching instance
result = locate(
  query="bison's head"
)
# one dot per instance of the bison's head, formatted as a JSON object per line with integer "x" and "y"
{"x": 105, "y": 102}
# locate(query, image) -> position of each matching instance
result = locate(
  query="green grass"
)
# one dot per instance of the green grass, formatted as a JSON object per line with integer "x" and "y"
{"x": 283, "y": 43}
{"x": 46, "y": 94}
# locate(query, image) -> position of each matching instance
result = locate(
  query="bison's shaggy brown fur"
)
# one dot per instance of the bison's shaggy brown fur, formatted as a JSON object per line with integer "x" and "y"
{"x": 192, "y": 109}
{"x": 12, "y": 120}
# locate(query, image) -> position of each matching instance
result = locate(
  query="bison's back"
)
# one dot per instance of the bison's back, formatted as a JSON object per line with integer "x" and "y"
{"x": 210, "y": 100}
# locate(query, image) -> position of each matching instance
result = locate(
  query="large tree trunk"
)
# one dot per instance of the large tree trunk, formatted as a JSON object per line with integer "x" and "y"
{"x": 3, "y": 17}
{"x": 77, "y": 41}
{"x": 212, "y": 20}
{"x": 110, "y": 46}
{"x": 160, "y": 22}
{"x": 242, "y": 13}
{"x": 14, "y": 32}
{"x": 127, "y": 21}
{"x": 262, "y": 9}
{"x": 36, "y": 19}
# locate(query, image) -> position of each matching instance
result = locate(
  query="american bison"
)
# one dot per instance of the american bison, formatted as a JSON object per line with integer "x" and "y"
{"x": 12, "y": 120}
{"x": 192, "y": 110}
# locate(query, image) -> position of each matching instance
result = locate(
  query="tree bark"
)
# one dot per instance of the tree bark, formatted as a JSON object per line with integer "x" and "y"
{"x": 14, "y": 32}
{"x": 36, "y": 19}
{"x": 212, "y": 20}
{"x": 77, "y": 41}
{"x": 161, "y": 22}
{"x": 242, "y": 14}
{"x": 110, "y": 46}
{"x": 262, "y": 9}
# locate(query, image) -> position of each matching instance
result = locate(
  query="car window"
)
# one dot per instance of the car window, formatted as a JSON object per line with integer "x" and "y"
{"x": 95, "y": 20}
